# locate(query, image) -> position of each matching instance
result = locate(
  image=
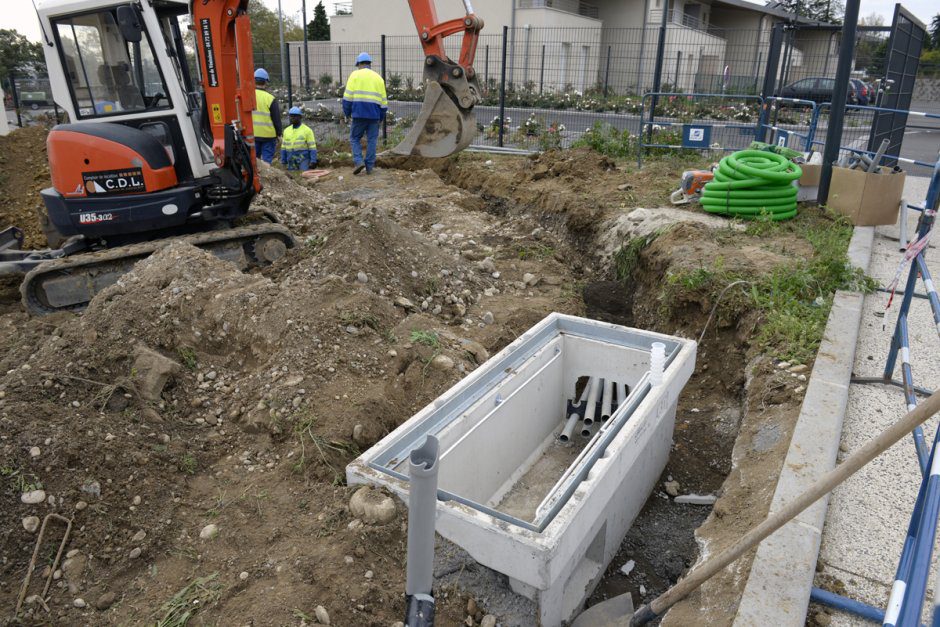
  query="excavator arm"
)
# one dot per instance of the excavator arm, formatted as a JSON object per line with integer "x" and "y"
{"x": 223, "y": 41}
{"x": 446, "y": 123}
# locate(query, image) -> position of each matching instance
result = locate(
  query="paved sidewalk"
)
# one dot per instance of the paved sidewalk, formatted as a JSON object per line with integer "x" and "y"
{"x": 868, "y": 515}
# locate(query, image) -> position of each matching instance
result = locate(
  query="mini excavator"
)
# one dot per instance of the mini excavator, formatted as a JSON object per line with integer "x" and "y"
{"x": 159, "y": 146}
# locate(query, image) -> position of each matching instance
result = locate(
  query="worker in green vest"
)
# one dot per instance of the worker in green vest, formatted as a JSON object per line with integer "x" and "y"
{"x": 266, "y": 118}
{"x": 298, "y": 146}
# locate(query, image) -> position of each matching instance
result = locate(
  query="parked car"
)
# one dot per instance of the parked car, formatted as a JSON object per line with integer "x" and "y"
{"x": 818, "y": 89}
{"x": 862, "y": 92}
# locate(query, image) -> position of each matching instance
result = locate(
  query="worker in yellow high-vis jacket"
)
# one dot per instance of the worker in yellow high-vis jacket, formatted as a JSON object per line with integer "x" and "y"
{"x": 299, "y": 145}
{"x": 366, "y": 102}
{"x": 266, "y": 118}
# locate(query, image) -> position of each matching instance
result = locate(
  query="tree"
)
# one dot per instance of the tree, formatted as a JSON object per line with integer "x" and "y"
{"x": 264, "y": 28}
{"x": 830, "y": 11}
{"x": 318, "y": 29}
{"x": 935, "y": 32}
{"x": 18, "y": 54}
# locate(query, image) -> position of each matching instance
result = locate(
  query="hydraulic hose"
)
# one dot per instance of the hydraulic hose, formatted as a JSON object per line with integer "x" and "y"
{"x": 752, "y": 184}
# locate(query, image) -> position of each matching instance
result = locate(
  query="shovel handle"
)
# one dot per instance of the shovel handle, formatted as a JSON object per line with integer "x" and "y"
{"x": 872, "y": 449}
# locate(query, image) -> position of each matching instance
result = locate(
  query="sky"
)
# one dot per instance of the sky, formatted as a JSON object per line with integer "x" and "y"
{"x": 22, "y": 17}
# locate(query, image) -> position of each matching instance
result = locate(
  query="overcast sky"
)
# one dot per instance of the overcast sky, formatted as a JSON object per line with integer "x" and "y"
{"x": 23, "y": 18}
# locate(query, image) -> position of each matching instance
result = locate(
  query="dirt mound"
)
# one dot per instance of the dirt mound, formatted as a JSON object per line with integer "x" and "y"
{"x": 24, "y": 172}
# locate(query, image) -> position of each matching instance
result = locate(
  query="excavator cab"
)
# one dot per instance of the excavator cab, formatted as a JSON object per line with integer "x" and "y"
{"x": 159, "y": 144}
{"x": 445, "y": 124}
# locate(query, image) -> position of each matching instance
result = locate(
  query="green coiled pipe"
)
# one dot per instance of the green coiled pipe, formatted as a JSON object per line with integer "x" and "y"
{"x": 751, "y": 184}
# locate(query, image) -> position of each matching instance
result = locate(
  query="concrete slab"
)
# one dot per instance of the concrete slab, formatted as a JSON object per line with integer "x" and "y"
{"x": 778, "y": 586}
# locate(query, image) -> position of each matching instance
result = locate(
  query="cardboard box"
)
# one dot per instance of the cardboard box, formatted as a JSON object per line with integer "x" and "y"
{"x": 810, "y": 176}
{"x": 866, "y": 198}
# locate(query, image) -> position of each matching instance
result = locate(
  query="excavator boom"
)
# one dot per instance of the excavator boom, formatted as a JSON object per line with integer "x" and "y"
{"x": 446, "y": 123}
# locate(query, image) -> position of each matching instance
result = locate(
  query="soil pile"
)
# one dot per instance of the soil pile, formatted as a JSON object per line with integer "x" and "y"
{"x": 24, "y": 172}
{"x": 195, "y": 421}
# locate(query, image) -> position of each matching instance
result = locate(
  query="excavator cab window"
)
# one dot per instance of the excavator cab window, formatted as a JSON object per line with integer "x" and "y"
{"x": 109, "y": 73}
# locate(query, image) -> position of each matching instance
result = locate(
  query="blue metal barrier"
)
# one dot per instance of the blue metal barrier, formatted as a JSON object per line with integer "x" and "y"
{"x": 705, "y": 133}
{"x": 781, "y": 131}
{"x": 863, "y": 109}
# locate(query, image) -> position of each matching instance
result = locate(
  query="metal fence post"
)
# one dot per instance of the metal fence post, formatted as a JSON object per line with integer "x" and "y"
{"x": 290, "y": 82}
{"x": 303, "y": 10}
{"x": 486, "y": 68}
{"x": 837, "y": 111}
{"x": 502, "y": 89}
{"x": 385, "y": 119}
{"x": 770, "y": 79}
{"x": 339, "y": 56}
{"x": 16, "y": 101}
{"x": 606, "y": 72}
{"x": 542, "y": 71}
{"x": 658, "y": 72}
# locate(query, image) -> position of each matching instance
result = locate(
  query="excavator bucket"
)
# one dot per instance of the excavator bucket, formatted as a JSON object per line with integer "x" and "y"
{"x": 442, "y": 128}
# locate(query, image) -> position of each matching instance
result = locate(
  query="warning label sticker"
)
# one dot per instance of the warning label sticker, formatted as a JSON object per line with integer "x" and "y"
{"x": 114, "y": 181}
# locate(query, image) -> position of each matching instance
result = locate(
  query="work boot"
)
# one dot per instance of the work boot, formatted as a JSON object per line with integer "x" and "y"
{"x": 370, "y": 170}
{"x": 359, "y": 168}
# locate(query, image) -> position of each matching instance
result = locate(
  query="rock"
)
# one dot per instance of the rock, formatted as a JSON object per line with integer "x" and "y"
{"x": 33, "y": 497}
{"x": 323, "y": 617}
{"x": 627, "y": 568}
{"x": 80, "y": 506}
{"x": 93, "y": 488}
{"x": 530, "y": 279}
{"x": 468, "y": 621}
{"x": 135, "y": 553}
{"x": 372, "y": 506}
{"x": 488, "y": 621}
{"x": 209, "y": 531}
{"x": 243, "y": 575}
{"x": 798, "y": 368}
{"x": 211, "y": 375}
{"x": 442, "y": 362}
{"x": 476, "y": 350}
{"x": 823, "y": 619}
{"x": 152, "y": 371}
{"x": 783, "y": 365}
{"x": 369, "y": 574}
{"x": 31, "y": 523}
{"x": 624, "y": 187}
{"x": 672, "y": 488}
{"x": 34, "y": 452}
{"x": 487, "y": 265}
{"x": 472, "y": 607}
{"x": 488, "y": 318}
{"x": 105, "y": 601}
{"x": 405, "y": 304}
{"x": 358, "y": 435}
{"x": 79, "y": 603}
{"x": 362, "y": 277}
{"x": 136, "y": 500}
{"x": 697, "y": 499}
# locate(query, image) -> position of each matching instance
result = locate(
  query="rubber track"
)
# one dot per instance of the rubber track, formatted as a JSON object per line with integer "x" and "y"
{"x": 136, "y": 252}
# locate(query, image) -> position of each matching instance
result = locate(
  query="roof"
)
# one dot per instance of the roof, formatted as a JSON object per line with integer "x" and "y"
{"x": 771, "y": 8}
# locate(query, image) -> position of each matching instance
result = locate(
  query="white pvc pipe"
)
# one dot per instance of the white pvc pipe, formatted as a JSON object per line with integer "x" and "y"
{"x": 570, "y": 423}
{"x": 608, "y": 399}
{"x": 592, "y": 401}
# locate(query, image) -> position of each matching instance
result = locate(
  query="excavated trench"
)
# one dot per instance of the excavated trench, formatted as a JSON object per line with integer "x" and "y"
{"x": 662, "y": 543}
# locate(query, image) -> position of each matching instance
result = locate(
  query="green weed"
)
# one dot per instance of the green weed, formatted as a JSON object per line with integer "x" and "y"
{"x": 627, "y": 258}
{"x": 428, "y": 338}
{"x": 188, "y": 357}
{"x": 187, "y": 602}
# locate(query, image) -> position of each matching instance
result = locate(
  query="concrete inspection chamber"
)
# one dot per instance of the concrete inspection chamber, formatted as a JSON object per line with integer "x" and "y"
{"x": 549, "y": 514}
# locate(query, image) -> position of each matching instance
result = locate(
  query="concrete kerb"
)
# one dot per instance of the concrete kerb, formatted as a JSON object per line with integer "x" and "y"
{"x": 778, "y": 587}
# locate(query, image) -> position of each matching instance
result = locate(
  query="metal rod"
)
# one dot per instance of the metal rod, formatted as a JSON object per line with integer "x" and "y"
{"x": 303, "y": 10}
{"x": 606, "y": 72}
{"x": 837, "y": 111}
{"x": 502, "y": 90}
{"x": 844, "y": 604}
{"x": 385, "y": 119}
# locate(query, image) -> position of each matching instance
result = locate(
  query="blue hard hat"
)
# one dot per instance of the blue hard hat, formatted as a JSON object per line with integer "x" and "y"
{"x": 363, "y": 57}
{"x": 261, "y": 74}
{"x": 295, "y": 111}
